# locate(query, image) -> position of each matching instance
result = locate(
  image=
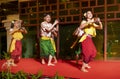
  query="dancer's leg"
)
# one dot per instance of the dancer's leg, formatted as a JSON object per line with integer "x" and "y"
{"x": 50, "y": 61}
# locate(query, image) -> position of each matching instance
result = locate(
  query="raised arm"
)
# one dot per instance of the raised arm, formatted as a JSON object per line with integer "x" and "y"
{"x": 23, "y": 30}
{"x": 99, "y": 25}
{"x": 43, "y": 25}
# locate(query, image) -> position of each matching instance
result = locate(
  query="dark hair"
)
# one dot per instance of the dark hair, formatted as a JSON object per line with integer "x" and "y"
{"x": 45, "y": 14}
{"x": 84, "y": 18}
{"x": 12, "y": 23}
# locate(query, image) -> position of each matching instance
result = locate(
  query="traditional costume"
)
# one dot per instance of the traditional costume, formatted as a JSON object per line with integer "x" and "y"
{"x": 47, "y": 44}
{"x": 47, "y": 47}
{"x": 16, "y": 46}
{"x": 88, "y": 48}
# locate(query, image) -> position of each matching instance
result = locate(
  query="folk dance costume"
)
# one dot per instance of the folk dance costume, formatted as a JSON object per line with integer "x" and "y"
{"x": 16, "y": 46}
{"x": 47, "y": 44}
{"x": 47, "y": 47}
{"x": 88, "y": 48}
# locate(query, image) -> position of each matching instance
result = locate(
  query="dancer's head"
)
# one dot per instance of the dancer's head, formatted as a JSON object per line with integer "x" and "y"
{"x": 16, "y": 23}
{"x": 88, "y": 15}
{"x": 47, "y": 17}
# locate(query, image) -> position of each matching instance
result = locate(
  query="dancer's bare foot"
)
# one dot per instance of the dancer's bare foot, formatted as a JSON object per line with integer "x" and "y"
{"x": 13, "y": 64}
{"x": 87, "y": 66}
{"x": 50, "y": 64}
{"x": 43, "y": 61}
{"x": 84, "y": 70}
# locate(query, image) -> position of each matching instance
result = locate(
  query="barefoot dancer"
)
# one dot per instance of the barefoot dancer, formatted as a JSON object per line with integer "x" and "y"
{"x": 89, "y": 26}
{"x": 46, "y": 46}
{"x": 16, "y": 45}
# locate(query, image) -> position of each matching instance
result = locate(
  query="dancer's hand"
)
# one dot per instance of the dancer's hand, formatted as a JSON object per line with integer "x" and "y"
{"x": 56, "y": 22}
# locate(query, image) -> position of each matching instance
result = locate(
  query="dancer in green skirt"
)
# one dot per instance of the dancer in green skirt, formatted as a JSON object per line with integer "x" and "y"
{"x": 47, "y": 46}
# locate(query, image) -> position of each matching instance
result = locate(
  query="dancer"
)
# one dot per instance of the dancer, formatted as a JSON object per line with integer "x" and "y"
{"x": 89, "y": 26}
{"x": 46, "y": 40}
{"x": 16, "y": 44}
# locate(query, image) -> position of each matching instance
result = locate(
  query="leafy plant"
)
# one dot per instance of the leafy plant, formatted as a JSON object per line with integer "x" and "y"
{"x": 36, "y": 76}
{"x": 21, "y": 75}
{"x": 57, "y": 76}
{"x": 6, "y": 75}
{"x": 6, "y": 55}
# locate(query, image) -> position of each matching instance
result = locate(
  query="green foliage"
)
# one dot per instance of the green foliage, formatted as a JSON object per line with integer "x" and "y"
{"x": 57, "y": 76}
{"x": 37, "y": 76}
{"x": 23, "y": 75}
{"x": 6, "y": 75}
{"x": 20, "y": 75}
{"x": 6, "y": 55}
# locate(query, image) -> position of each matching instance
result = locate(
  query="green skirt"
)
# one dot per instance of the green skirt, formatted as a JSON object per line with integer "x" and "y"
{"x": 46, "y": 48}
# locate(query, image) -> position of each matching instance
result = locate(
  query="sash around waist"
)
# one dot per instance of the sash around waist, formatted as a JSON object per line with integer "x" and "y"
{"x": 45, "y": 38}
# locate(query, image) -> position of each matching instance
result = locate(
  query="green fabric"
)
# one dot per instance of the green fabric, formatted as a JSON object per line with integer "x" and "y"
{"x": 78, "y": 51}
{"x": 46, "y": 48}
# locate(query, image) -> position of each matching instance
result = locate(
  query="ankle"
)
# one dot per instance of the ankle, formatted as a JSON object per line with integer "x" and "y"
{"x": 88, "y": 66}
{"x": 43, "y": 61}
{"x": 84, "y": 70}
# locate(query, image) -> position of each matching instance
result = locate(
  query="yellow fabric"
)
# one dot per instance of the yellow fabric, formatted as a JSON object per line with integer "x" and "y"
{"x": 16, "y": 36}
{"x": 83, "y": 38}
{"x": 53, "y": 44}
{"x": 91, "y": 31}
{"x": 88, "y": 31}
{"x": 52, "y": 41}
{"x": 45, "y": 38}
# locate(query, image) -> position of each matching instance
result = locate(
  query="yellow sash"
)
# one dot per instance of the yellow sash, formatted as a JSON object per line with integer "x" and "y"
{"x": 52, "y": 41}
{"x": 88, "y": 31}
{"x": 16, "y": 36}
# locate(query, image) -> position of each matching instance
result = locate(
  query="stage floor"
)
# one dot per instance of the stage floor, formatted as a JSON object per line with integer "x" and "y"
{"x": 69, "y": 68}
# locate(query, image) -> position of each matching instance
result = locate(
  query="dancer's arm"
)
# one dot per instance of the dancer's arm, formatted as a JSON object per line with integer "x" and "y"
{"x": 83, "y": 24}
{"x": 43, "y": 25}
{"x": 99, "y": 25}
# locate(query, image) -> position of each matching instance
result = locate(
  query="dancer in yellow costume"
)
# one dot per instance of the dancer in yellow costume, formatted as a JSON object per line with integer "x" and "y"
{"x": 16, "y": 44}
{"x": 89, "y": 26}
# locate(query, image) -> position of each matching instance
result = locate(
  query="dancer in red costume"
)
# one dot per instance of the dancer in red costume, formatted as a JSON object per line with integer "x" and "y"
{"x": 16, "y": 45}
{"x": 89, "y": 26}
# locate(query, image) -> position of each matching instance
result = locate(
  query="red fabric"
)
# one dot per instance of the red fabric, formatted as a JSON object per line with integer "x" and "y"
{"x": 88, "y": 50}
{"x": 17, "y": 52}
{"x": 100, "y": 69}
